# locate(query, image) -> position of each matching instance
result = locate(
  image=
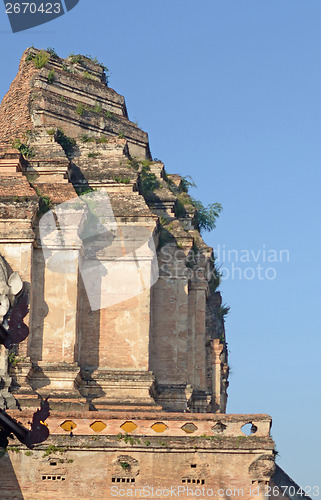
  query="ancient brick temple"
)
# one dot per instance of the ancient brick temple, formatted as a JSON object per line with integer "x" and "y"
{"x": 108, "y": 298}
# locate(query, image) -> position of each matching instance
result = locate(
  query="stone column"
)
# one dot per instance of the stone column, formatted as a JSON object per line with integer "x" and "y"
{"x": 217, "y": 349}
{"x": 55, "y": 312}
{"x": 197, "y": 345}
{"x": 170, "y": 329}
{"x": 117, "y": 274}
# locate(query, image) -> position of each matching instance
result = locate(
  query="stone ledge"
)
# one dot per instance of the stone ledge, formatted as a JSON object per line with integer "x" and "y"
{"x": 149, "y": 443}
{"x": 200, "y": 426}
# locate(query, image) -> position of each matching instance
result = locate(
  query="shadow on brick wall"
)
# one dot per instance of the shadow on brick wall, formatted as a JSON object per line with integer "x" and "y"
{"x": 9, "y": 485}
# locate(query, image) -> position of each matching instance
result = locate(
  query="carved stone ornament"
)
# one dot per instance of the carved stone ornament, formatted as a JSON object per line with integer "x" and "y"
{"x": 263, "y": 468}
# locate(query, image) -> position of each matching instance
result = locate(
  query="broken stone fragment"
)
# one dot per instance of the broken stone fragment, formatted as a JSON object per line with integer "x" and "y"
{"x": 9, "y": 288}
{"x": 15, "y": 286}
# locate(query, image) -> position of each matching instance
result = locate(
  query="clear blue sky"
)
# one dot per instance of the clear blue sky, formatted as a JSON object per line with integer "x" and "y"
{"x": 229, "y": 92}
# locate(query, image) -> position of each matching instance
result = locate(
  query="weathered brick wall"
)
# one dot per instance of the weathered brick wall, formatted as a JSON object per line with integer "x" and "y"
{"x": 88, "y": 471}
{"x": 14, "y": 110}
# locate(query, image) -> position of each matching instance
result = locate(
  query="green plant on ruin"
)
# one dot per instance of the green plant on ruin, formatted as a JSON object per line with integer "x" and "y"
{"x": 98, "y": 140}
{"x": 180, "y": 210}
{"x": 216, "y": 438}
{"x": 147, "y": 443}
{"x": 95, "y": 61}
{"x": 75, "y": 58}
{"x": 24, "y": 149}
{"x": 165, "y": 236}
{"x": 62, "y": 98}
{"x": 88, "y": 75}
{"x": 132, "y": 162}
{"x": 66, "y": 68}
{"x": 28, "y": 453}
{"x": 51, "y": 76}
{"x": 53, "y": 449}
{"x": 86, "y": 138}
{"x": 222, "y": 338}
{"x": 93, "y": 155}
{"x": 80, "y": 109}
{"x": 170, "y": 183}
{"x": 13, "y": 359}
{"x": 149, "y": 180}
{"x": 164, "y": 221}
{"x": 92, "y": 59}
{"x": 20, "y": 198}
{"x": 121, "y": 135}
{"x": 51, "y": 132}
{"x": 186, "y": 183}
{"x": 109, "y": 115}
{"x": 45, "y": 204}
{"x": 206, "y": 216}
{"x": 30, "y": 56}
{"x": 94, "y": 109}
{"x": 146, "y": 164}
{"x": 102, "y": 140}
{"x": 186, "y": 200}
{"x": 121, "y": 179}
{"x": 223, "y": 311}
{"x": 125, "y": 465}
{"x": 29, "y": 135}
{"x": 41, "y": 59}
{"x": 80, "y": 190}
{"x": 129, "y": 439}
{"x": 162, "y": 443}
{"x": 67, "y": 143}
{"x": 216, "y": 278}
{"x": 97, "y": 108}
{"x": 15, "y": 449}
{"x": 52, "y": 52}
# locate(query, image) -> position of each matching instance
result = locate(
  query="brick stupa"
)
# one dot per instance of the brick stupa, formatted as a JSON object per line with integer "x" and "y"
{"x": 137, "y": 387}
